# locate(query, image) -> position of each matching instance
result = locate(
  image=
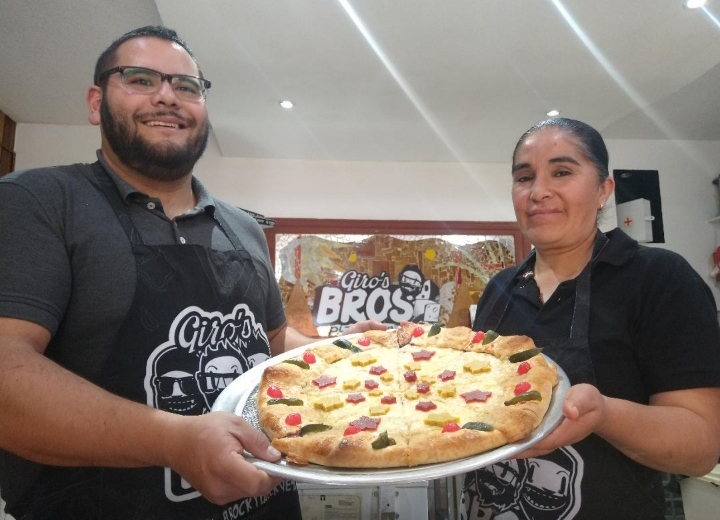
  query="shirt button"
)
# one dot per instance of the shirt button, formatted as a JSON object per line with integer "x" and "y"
{"x": 182, "y": 240}
{"x": 150, "y": 205}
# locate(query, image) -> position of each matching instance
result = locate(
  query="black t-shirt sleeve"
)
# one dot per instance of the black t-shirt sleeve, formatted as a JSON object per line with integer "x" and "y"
{"x": 35, "y": 280}
{"x": 674, "y": 326}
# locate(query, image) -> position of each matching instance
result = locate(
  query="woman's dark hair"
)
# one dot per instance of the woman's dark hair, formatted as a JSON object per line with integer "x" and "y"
{"x": 107, "y": 58}
{"x": 588, "y": 139}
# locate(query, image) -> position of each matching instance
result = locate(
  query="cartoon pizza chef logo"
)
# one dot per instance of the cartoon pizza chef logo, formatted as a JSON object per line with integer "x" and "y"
{"x": 204, "y": 353}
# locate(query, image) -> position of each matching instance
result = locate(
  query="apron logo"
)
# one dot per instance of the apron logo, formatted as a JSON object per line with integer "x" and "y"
{"x": 204, "y": 353}
{"x": 541, "y": 489}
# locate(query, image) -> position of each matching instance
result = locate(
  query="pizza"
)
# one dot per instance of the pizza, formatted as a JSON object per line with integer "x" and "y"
{"x": 415, "y": 395}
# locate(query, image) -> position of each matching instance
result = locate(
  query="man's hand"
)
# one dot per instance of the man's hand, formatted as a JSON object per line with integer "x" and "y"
{"x": 363, "y": 326}
{"x": 207, "y": 451}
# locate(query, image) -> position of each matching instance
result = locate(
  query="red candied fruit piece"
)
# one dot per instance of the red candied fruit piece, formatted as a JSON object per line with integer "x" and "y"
{"x": 478, "y": 337}
{"x": 377, "y": 370}
{"x": 476, "y": 395}
{"x": 425, "y": 406}
{"x": 274, "y": 392}
{"x": 324, "y": 381}
{"x": 355, "y": 398}
{"x": 417, "y": 332}
{"x": 423, "y": 355}
{"x": 371, "y": 384}
{"x": 524, "y": 368}
{"x": 388, "y": 399}
{"x": 423, "y": 388}
{"x": 293, "y": 419}
{"x": 522, "y": 387}
{"x": 309, "y": 358}
{"x": 352, "y": 430}
{"x": 366, "y": 423}
{"x": 364, "y": 341}
{"x": 451, "y": 427}
{"x": 447, "y": 375}
{"x": 410, "y": 376}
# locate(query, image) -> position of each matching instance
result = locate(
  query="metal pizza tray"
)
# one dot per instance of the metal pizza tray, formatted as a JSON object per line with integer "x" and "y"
{"x": 239, "y": 398}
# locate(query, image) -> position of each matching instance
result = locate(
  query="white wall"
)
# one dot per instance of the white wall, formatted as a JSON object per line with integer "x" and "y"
{"x": 419, "y": 191}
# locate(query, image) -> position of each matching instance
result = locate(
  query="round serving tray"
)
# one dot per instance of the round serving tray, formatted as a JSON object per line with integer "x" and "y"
{"x": 238, "y": 398}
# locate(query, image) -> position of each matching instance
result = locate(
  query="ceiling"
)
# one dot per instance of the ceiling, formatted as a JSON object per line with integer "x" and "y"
{"x": 390, "y": 80}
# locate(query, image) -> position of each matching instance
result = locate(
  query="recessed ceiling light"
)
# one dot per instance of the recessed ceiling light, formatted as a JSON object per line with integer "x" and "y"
{"x": 553, "y": 113}
{"x": 286, "y": 104}
{"x": 694, "y": 4}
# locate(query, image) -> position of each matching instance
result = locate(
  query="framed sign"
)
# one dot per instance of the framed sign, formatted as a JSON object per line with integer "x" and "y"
{"x": 333, "y": 273}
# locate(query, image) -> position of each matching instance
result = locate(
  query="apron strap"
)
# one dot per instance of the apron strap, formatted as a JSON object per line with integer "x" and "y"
{"x": 225, "y": 227}
{"x": 580, "y": 327}
{"x": 97, "y": 174}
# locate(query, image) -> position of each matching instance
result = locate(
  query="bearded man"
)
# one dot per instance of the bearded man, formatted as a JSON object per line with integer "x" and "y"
{"x": 112, "y": 274}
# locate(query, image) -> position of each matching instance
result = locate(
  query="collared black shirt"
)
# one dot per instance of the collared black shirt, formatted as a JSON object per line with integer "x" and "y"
{"x": 653, "y": 320}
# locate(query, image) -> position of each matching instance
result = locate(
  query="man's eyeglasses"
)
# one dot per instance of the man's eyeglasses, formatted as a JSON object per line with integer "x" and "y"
{"x": 140, "y": 80}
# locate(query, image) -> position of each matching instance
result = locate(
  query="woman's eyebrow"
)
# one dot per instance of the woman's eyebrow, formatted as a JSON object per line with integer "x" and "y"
{"x": 520, "y": 166}
{"x": 564, "y": 158}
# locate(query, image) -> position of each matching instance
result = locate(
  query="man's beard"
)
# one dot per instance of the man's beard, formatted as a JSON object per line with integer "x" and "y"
{"x": 162, "y": 162}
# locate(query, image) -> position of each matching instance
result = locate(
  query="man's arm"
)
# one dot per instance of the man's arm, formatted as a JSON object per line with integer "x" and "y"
{"x": 286, "y": 338}
{"x": 51, "y": 416}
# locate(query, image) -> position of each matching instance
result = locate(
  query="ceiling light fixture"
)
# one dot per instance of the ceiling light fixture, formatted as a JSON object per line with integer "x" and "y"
{"x": 553, "y": 113}
{"x": 693, "y": 4}
{"x": 286, "y": 104}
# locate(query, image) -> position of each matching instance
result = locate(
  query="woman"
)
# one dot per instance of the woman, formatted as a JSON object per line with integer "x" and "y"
{"x": 634, "y": 328}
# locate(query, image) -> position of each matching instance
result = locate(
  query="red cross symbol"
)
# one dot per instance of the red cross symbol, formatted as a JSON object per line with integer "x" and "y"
{"x": 628, "y": 222}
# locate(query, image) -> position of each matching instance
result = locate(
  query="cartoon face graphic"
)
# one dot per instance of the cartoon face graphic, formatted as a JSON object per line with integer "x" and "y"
{"x": 411, "y": 281}
{"x": 536, "y": 488}
{"x": 219, "y": 373}
{"x": 217, "y": 370}
{"x": 174, "y": 385}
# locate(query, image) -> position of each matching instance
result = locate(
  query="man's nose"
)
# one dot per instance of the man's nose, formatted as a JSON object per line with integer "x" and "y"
{"x": 166, "y": 93}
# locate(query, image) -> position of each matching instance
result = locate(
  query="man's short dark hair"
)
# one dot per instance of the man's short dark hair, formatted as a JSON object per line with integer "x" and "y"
{"x": 107, "y": 58}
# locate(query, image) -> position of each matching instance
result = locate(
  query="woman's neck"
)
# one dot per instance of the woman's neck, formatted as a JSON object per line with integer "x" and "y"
{"x": 552, "y": 266}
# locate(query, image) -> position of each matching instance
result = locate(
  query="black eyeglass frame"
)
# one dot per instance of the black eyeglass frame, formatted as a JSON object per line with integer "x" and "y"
{"x": 163, "y": 77}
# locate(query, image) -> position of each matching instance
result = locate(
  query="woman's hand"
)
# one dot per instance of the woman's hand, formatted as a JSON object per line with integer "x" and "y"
{"x": 584, "y": 412}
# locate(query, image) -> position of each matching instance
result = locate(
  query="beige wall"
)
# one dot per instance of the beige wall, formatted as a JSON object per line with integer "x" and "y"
{"x": 419, "y": 191}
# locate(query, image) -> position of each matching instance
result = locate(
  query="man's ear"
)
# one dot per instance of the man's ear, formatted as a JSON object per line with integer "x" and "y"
{"x": 94, "y": 100}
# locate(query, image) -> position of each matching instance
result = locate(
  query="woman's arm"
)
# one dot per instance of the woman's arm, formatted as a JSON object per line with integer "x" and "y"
{"x": 678, "y": 432}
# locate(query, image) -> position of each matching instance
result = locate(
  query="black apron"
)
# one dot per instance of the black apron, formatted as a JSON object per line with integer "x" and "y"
{"x": 196, "y": 322}
{"x": 588, "y": 480}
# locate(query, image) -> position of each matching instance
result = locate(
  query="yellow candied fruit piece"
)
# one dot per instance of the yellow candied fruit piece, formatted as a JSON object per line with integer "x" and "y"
{"x": 476, "y": 366}
{"x": 413, "y": 365}
{"x": 427, "y": 378}
{"x": 329, "y": 403}
{"x": 332, "y": 357}
{"x": 351, "y": 384}
{"x": 440, "y": 419}
{"x": 364, "y": 359}
{"x": 387, "y": 376}
{"x": 375, "y": 392}
{"x": 447, "y": 391}
{"x": 411, "y": 394}
{"x": 381, "y": 409}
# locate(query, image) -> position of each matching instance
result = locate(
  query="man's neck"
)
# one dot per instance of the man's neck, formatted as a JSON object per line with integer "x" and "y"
{"x": 177, "y": 196}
